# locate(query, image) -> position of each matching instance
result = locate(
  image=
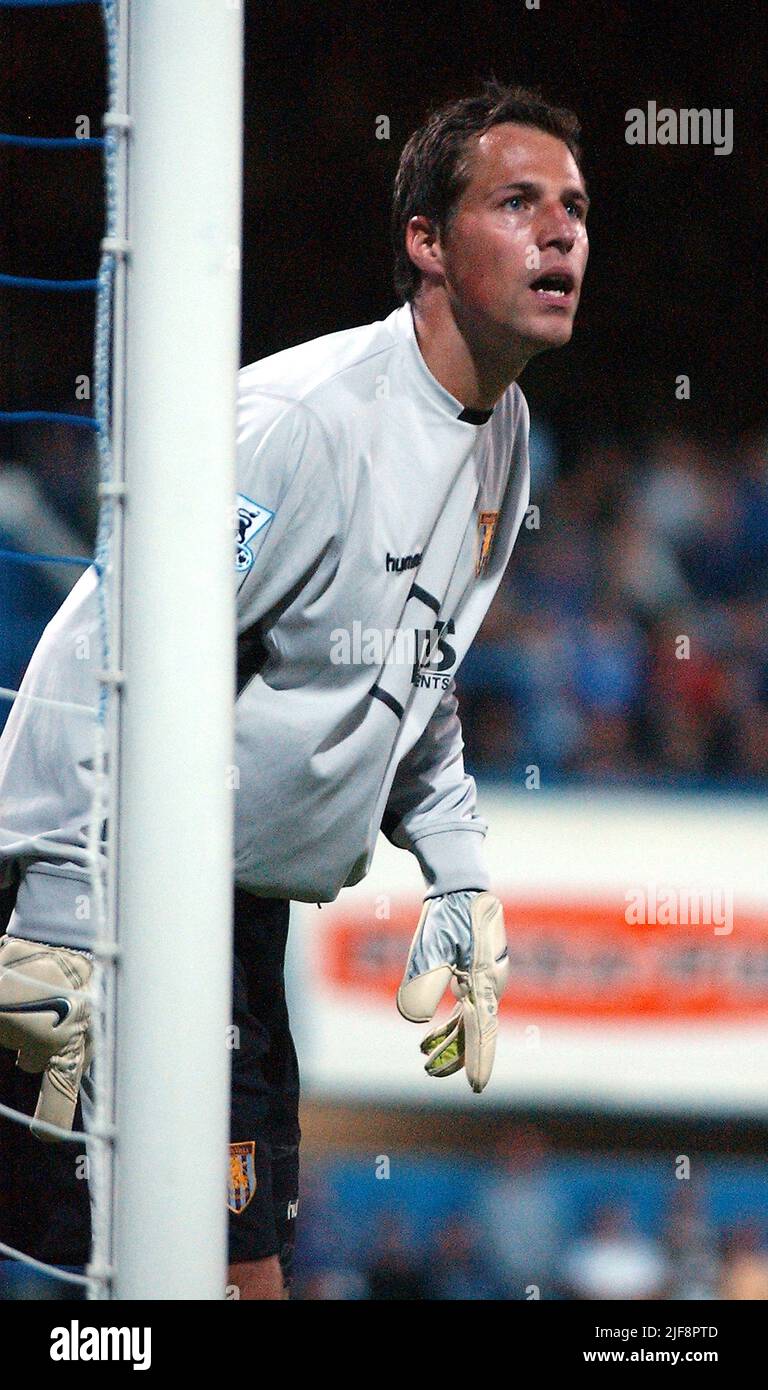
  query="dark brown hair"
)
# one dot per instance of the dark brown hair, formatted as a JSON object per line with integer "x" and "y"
{"x": 434, "y": 167}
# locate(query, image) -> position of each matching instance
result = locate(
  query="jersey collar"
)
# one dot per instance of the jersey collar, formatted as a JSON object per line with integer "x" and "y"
{"x": 403, "y": 323}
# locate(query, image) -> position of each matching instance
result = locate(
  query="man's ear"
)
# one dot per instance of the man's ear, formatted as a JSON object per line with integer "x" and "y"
{"x": 424, "y": 246}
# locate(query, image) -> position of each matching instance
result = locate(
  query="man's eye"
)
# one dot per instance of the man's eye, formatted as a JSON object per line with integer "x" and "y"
{"x": 514, "y": 199}
{"x": 575, "y": 210}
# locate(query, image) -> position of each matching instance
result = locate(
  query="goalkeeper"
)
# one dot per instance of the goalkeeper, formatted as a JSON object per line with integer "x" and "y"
{"x": 383, "y": 479}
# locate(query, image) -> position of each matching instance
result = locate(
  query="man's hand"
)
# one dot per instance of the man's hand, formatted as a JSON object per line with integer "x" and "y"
{"x": 42, "y": 1020}
{"x": 460, "y": 940}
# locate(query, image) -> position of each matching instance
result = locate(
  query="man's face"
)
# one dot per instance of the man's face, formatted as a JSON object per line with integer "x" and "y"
{"x": 521, "y": 217}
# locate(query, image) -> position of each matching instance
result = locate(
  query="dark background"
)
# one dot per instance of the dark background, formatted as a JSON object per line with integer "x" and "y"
{"x": 674, "y": 283}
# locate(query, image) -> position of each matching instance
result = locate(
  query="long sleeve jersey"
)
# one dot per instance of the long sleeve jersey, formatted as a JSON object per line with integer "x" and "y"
{"x": 374, "y": 520}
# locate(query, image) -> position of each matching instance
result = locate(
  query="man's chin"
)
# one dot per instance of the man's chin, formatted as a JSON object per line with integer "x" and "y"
{"x": 552, "y": 332}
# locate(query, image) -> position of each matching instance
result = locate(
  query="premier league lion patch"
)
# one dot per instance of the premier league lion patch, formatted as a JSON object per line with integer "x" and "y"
{"x": 242, "y": 1176}
{"x": 250, "y": 518}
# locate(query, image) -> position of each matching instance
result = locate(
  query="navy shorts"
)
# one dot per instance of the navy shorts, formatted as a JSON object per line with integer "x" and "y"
{"x": 264, "y": 1152}
{"x": 44, "y": 1206}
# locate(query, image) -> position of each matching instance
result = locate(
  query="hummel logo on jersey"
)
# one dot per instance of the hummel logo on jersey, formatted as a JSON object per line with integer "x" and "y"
{"x": 397, "y": 563}
{"x": 58, "y": 1006}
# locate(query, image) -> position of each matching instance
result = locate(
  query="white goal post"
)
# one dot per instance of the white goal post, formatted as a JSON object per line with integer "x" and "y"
{"x": 173, "y": 789}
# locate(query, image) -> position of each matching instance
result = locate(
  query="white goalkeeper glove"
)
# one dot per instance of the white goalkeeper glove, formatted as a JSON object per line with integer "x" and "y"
{"x": 460, "y": 940}
{"x": 45, "y": 1023}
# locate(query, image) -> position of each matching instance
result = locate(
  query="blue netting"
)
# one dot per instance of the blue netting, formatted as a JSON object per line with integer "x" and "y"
{"x": 51, "y": 417}
{"x": 33, "y": 282}
{"x": 42, "y": 4}
{"x": 57, "y": 142}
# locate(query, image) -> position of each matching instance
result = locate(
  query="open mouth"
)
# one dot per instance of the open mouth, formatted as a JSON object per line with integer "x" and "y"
{"x": 557, "y": 286}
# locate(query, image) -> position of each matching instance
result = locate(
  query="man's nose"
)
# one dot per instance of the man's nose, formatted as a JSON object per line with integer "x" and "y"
{"x": 556, "y": 229}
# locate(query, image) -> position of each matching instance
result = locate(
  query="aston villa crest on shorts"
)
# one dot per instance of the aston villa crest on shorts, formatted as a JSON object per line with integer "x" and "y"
{"x": 242, "y": 1176}
{"x": 486, "y": 526}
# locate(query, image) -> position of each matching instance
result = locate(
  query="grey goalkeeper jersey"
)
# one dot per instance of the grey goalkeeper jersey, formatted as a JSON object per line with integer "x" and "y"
{"x": 375, "y": 517}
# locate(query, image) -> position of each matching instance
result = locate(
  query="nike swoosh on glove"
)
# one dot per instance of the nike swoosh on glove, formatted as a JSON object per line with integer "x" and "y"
{"x": 44, "y": 1016}
{"x": 460, "y": 940}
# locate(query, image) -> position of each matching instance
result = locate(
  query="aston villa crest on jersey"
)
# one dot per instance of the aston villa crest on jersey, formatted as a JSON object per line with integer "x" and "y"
{"x": 486, "y": 526}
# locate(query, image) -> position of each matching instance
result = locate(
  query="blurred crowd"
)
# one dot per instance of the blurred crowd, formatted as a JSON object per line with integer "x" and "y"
{"x": 48, "y": 507}
{"x": 627, "y": 643}
{"x": 536, "y": 1226}
{"x": 629, "y": 639}
{"x": 521, "y": 1222}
